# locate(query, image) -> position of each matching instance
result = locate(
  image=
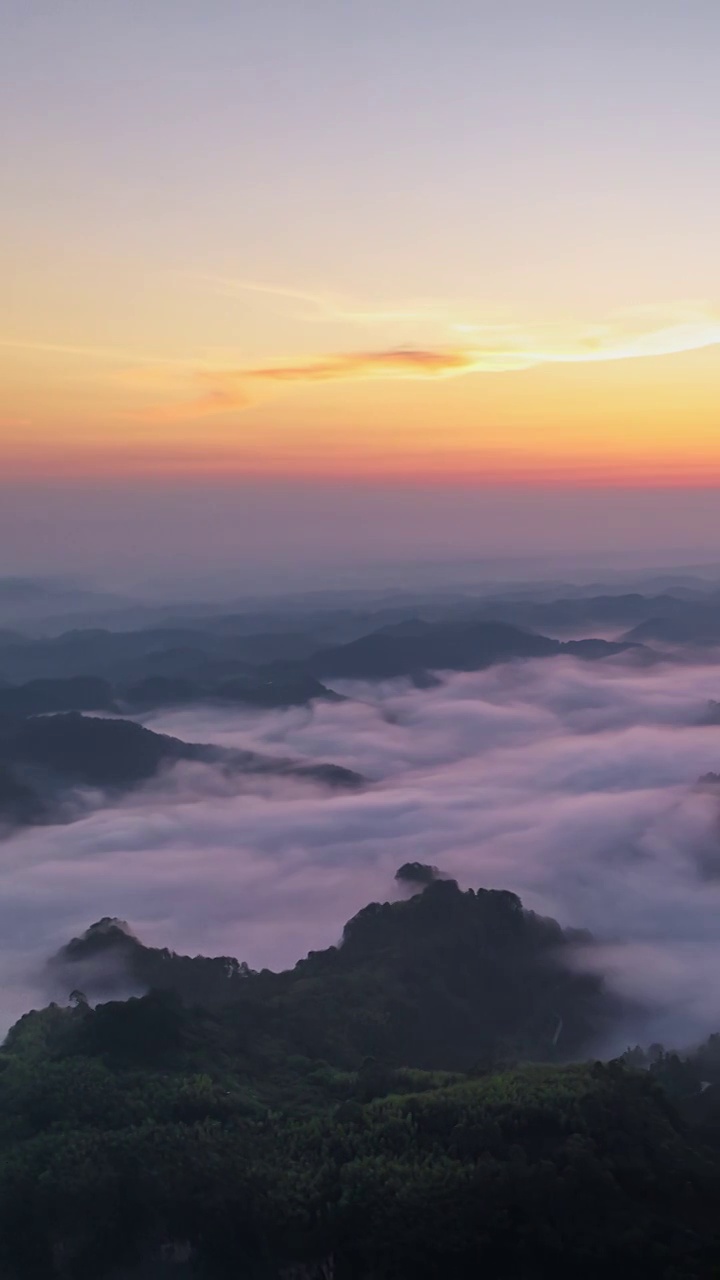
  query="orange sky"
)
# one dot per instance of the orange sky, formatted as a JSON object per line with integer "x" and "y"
{"x": 451, "y": 256}
{"x": 422, "y": 412}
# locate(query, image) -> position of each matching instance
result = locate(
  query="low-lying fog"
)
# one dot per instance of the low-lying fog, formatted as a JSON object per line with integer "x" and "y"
{"x": 573, "y": 784}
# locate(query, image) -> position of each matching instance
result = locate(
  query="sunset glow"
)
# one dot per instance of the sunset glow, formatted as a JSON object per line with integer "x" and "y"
{"x": 208, "y": 279}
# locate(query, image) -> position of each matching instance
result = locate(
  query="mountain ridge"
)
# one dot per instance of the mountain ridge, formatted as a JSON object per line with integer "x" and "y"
{"x": 38, "y": 754}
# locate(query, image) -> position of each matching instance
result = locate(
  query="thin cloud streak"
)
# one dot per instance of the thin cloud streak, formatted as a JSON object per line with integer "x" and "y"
{"x": 631, "y": 337}
{"x": 324, "y": 307}
{"x": 63, "y": 349}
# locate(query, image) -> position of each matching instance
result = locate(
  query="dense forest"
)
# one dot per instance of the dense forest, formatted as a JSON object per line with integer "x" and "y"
{"x": 422, "y": 1100}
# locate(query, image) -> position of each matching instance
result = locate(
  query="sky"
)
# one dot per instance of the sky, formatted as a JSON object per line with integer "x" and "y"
{"x": 438, "y": 260}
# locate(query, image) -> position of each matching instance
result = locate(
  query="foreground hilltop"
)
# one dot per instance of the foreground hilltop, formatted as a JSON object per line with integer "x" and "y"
{"x": 443, "y": 980}
{"x": 357, "y": 1117}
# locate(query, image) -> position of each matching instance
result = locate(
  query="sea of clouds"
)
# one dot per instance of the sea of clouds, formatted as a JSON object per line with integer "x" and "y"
{"x": 571, "y": 783}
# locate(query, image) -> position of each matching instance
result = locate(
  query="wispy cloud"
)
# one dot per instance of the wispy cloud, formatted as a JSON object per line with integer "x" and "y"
{"x": 64, "y": 349}
{"x": 641, "y": 333}
{"x": 218, "y": 390}
{"x": 178, "y": 389}
{"x": 322, "y": 306}
{"x": 402, "y": 362}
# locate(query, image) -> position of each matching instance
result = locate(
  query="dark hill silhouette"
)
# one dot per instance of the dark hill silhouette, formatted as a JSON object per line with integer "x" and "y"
{"x": 694, "y": 624}
{"x": 20, "y": 803}
{"x": 92, "y": 751}
{"x": 78, "y": 693}
{"x": 572, "y": 614}
{"x": 444, "y": 979}
{"x": 108, "y": 958}
{"x": 415, "y": 647}
{"x": 163, "y": 666}
{"x": 42, "y": 756}
{"x": 128, "y": 656}
{"x": 274, "y": 685}
{"x": 161, "y": 691}
{"x": 592, "y": 650}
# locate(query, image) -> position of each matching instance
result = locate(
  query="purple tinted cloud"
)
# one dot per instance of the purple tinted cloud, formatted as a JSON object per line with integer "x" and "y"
{"x": 570, "y": 783}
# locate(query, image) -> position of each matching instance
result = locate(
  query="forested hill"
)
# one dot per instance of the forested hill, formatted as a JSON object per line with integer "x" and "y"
{"x": 444, "y": 980}
{"x": 371, "y": 1114}
{"x": 42, "y": 758}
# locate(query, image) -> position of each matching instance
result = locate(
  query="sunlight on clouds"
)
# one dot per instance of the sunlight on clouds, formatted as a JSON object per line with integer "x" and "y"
{"x": 505, "y": 348}
{"x": 393, "y": 408}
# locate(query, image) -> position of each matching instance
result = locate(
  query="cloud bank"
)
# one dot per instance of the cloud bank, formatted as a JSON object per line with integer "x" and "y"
{"x": 572, "y": 784}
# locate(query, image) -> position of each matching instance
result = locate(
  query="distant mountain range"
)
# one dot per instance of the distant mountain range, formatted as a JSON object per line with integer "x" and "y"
{"x": 215, "y": 660}
{"x": 48, "y": 749}
{"x": 694, "y": 624}
{"x": 270, "y": 686}
{"x": 282, "y": 652}
{"x": 133, "y": 671}
{"x": 417, "y": 646}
